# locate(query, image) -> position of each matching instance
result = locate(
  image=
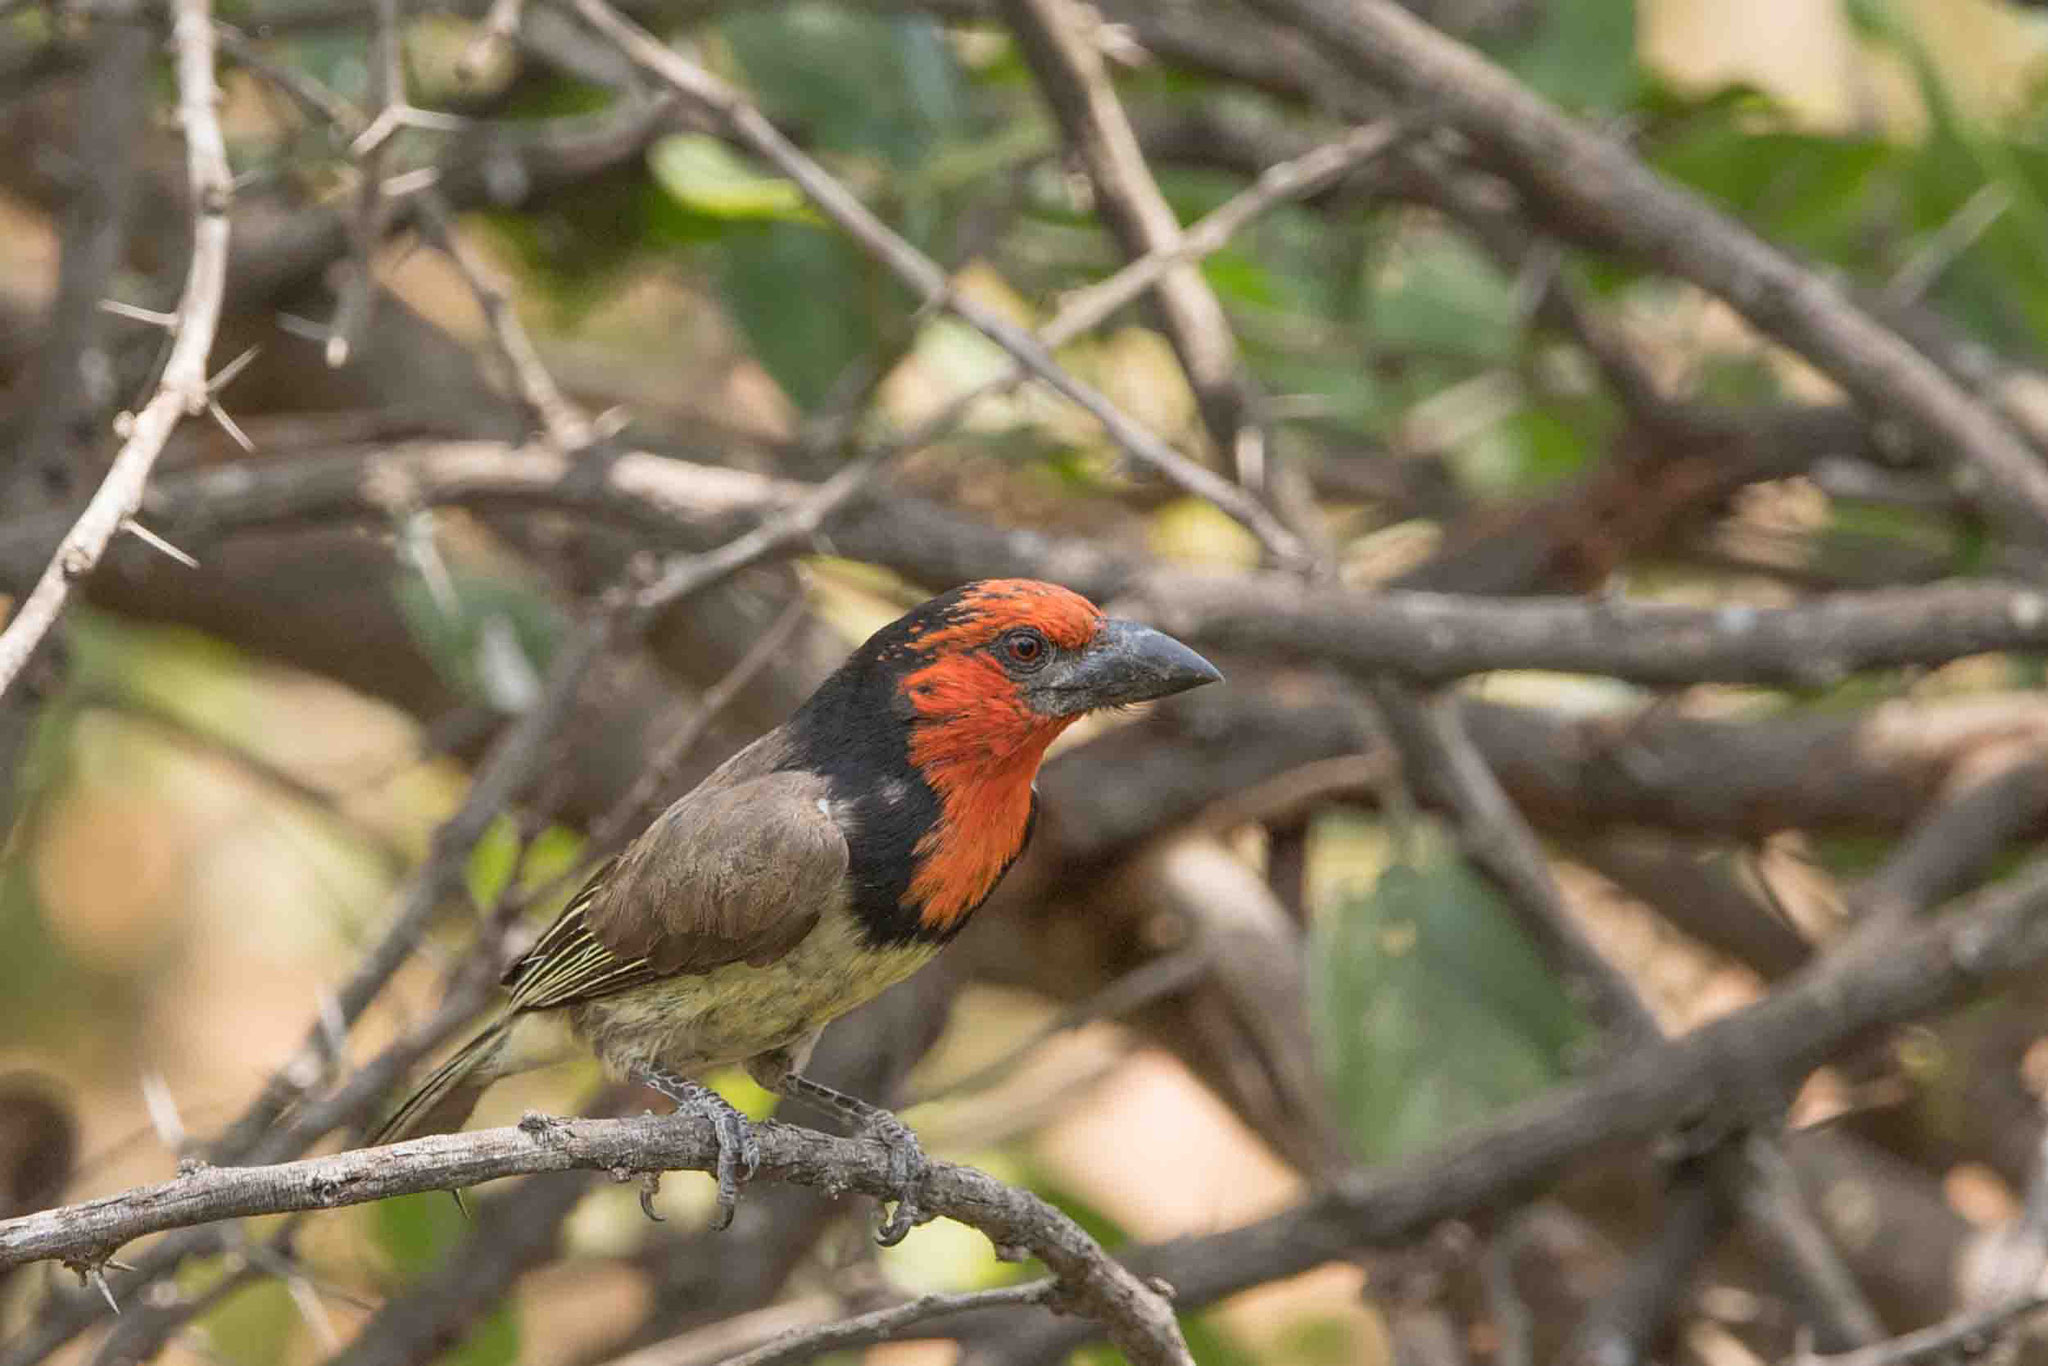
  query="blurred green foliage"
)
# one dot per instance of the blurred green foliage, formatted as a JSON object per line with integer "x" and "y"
{"x": 1431, "y": 1008}
{"x": 417, "y": 1232}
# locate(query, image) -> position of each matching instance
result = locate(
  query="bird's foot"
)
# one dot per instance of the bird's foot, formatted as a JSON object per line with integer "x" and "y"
{"x": 739, "y": 1152}
{"x": 909, "y": 1168}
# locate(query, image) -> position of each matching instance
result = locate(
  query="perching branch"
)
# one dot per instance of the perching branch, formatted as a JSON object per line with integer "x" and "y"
{"x": 1137, "y": 1317}
{"x": 183, "y": 389}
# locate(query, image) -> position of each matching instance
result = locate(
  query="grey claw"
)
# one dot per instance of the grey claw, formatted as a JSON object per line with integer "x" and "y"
{"x": 909, "y": 1168}
{"x": 739, "y": 1153}
{"x": 650, "y": 1186}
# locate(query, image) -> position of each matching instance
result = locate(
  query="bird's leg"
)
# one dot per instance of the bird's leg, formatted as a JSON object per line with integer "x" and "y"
{"x": 739, "y": 1154}
{"x": 908, "y": 1166}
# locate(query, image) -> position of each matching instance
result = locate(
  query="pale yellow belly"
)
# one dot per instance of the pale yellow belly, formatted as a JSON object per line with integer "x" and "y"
{"x": 688, "y": 1025}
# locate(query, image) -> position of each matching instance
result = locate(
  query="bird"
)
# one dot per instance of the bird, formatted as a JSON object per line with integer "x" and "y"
{"x": 818, "y": 866}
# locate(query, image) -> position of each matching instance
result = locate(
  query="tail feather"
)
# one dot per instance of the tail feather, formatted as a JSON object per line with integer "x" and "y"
{"x": 443, "y": 1102}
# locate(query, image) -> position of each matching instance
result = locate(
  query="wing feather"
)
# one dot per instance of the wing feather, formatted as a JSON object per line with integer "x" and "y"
{"x": 737, "y": 871}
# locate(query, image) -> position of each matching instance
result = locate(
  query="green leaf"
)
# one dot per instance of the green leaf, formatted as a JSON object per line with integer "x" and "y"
{"x": 853, "y": 82}
{"x": 418, "y": 1232}
{"x": 490, "y": 638}
{"x": 708, "y": 177}
{"x": 253, "y": 1326}
{"x": 810, "y": 302}
{"x": 1438, "y": 294}
{"x": 1811, "y": 193}
{"x": 1581, "y": 54}
{"x": 1431, "y": 1009}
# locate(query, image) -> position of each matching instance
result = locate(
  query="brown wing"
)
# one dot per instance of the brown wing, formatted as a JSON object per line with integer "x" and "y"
{"x": 737, "y": 871}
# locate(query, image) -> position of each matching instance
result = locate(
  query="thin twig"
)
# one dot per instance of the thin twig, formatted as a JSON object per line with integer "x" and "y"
{"x": 660, "y": 773}
{"x": 372, "y": 210}
{"x": 1437, "y": 752}
{"x": 311, "y": 95}
{"x": 749, "y": 126}
{"x": 1058, "y": 41}
{"x": 564, "y": 423}
{"x": 182, "y": 389}
{"x": 1083, "y": 309}
{"x": 1957, "y": 1332}
{"x": 879, "y": 1325}
{"x": 1604, "y": 192}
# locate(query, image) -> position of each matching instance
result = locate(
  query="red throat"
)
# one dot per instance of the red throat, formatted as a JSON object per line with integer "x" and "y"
{"x": 979, "y": 745}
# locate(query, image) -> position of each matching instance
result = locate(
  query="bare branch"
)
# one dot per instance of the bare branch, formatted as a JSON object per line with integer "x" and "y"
{"x": 1435, "y": 749}
{"x": 564, "y": 423}
{"x": 1610, "y": 196}
{"x": 1994, "y": 936}
{"x": 372, "y": 209}
{"x": 862, "y": 1330}
{"x": 1419, "y": 635}
{"x": 748, "y": 126}
{"x": 183, "y": 388}
{"x": 1302, "y": 176}
{"x": 1959, "y": 1332}
{"x": 1059, "y": 41}
{"x": 1137, "y": 1317}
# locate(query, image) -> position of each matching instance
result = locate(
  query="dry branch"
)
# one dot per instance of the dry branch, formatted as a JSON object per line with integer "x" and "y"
{"x": 1422, "y": 636}
{"x": 1711, "y": 1074}
{"x": 751, "y": 128}
{"x": 1595, "y": 188}
{"x": 183, "y": 389}
{"x": 1137, "y": 1317}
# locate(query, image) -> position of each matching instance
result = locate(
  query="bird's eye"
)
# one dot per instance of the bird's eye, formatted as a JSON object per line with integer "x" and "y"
{"x": 1026, "y": 648}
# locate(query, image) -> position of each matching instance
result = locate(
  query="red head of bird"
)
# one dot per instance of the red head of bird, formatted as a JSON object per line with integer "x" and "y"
{"x": 934, "y": 729}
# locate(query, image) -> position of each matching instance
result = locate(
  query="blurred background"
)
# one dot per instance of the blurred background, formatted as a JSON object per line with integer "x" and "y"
{"x": 228, "y": 773}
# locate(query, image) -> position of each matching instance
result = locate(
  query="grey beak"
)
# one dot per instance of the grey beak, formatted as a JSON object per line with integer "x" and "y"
{"x": 1125, "y": 662}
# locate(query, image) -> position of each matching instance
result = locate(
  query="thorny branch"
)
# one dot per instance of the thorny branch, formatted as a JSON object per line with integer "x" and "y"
{"x": 1420, "y": 635}
{"x": 184, "y": 389}
{"x": 1608, "y": 194}
{"x": 1136, "y": 1316}
{"x": 1888, "y": 973}
{"x": 747, "y": 125}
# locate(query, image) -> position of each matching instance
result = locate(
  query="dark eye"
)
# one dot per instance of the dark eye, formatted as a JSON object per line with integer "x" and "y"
{"x": 1026, "y": 648}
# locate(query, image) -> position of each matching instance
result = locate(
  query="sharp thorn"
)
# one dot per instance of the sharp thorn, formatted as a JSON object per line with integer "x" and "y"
{"x": 99, "y": 1281}
{"x": 228, "y": 425}
{"x": 135, "y": 313}
{"x": 163, "y": 547}
{"x": 233, "y": 368}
